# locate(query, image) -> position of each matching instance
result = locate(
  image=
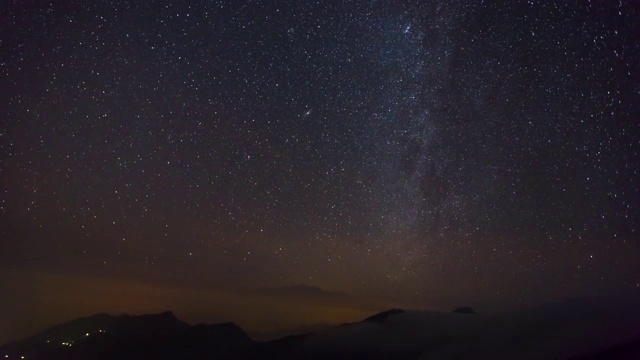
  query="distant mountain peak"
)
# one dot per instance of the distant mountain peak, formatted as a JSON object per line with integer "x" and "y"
{"x": 300, "y": 290}
{"x": 465, "y": 310}
{"x": 383, "y": 316}
{"x": 167, "y": 315}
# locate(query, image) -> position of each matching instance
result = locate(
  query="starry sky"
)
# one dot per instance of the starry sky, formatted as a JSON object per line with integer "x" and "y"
{"x": 417, "y": 153}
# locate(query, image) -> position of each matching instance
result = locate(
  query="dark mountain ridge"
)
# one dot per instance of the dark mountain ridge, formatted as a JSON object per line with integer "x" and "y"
{"x": 383, "y": 316}
{"x": 391, "y": 334}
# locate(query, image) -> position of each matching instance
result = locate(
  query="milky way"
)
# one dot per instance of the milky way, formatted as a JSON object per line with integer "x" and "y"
{"x": 430, "y": 152}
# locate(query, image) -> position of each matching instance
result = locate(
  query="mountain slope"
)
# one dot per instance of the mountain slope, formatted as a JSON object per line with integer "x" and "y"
{"x": 577, "y": 329}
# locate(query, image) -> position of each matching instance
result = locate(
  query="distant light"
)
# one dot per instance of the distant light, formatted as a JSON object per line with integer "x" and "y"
{"x": 21, "y": 357}
{"x": 87, "y": 334}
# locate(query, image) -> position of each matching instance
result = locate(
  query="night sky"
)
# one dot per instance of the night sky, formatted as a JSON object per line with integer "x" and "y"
{"x": 430, "y": 154}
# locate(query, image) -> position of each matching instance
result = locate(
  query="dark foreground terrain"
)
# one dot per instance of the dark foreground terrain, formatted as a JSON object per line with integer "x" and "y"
{"x": 579, "y": 330}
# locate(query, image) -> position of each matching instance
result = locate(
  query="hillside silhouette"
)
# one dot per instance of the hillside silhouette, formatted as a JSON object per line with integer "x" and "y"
{"x": 577, "y": 330}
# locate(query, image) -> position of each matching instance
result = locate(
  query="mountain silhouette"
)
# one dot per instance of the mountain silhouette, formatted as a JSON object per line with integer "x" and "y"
{"x": 300, "y": 291}
{"x": 383, "y": 316}
{"x": 465, "y": 310}
{"x": 573, "y": 330}
{"x": 99, "y": 336}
